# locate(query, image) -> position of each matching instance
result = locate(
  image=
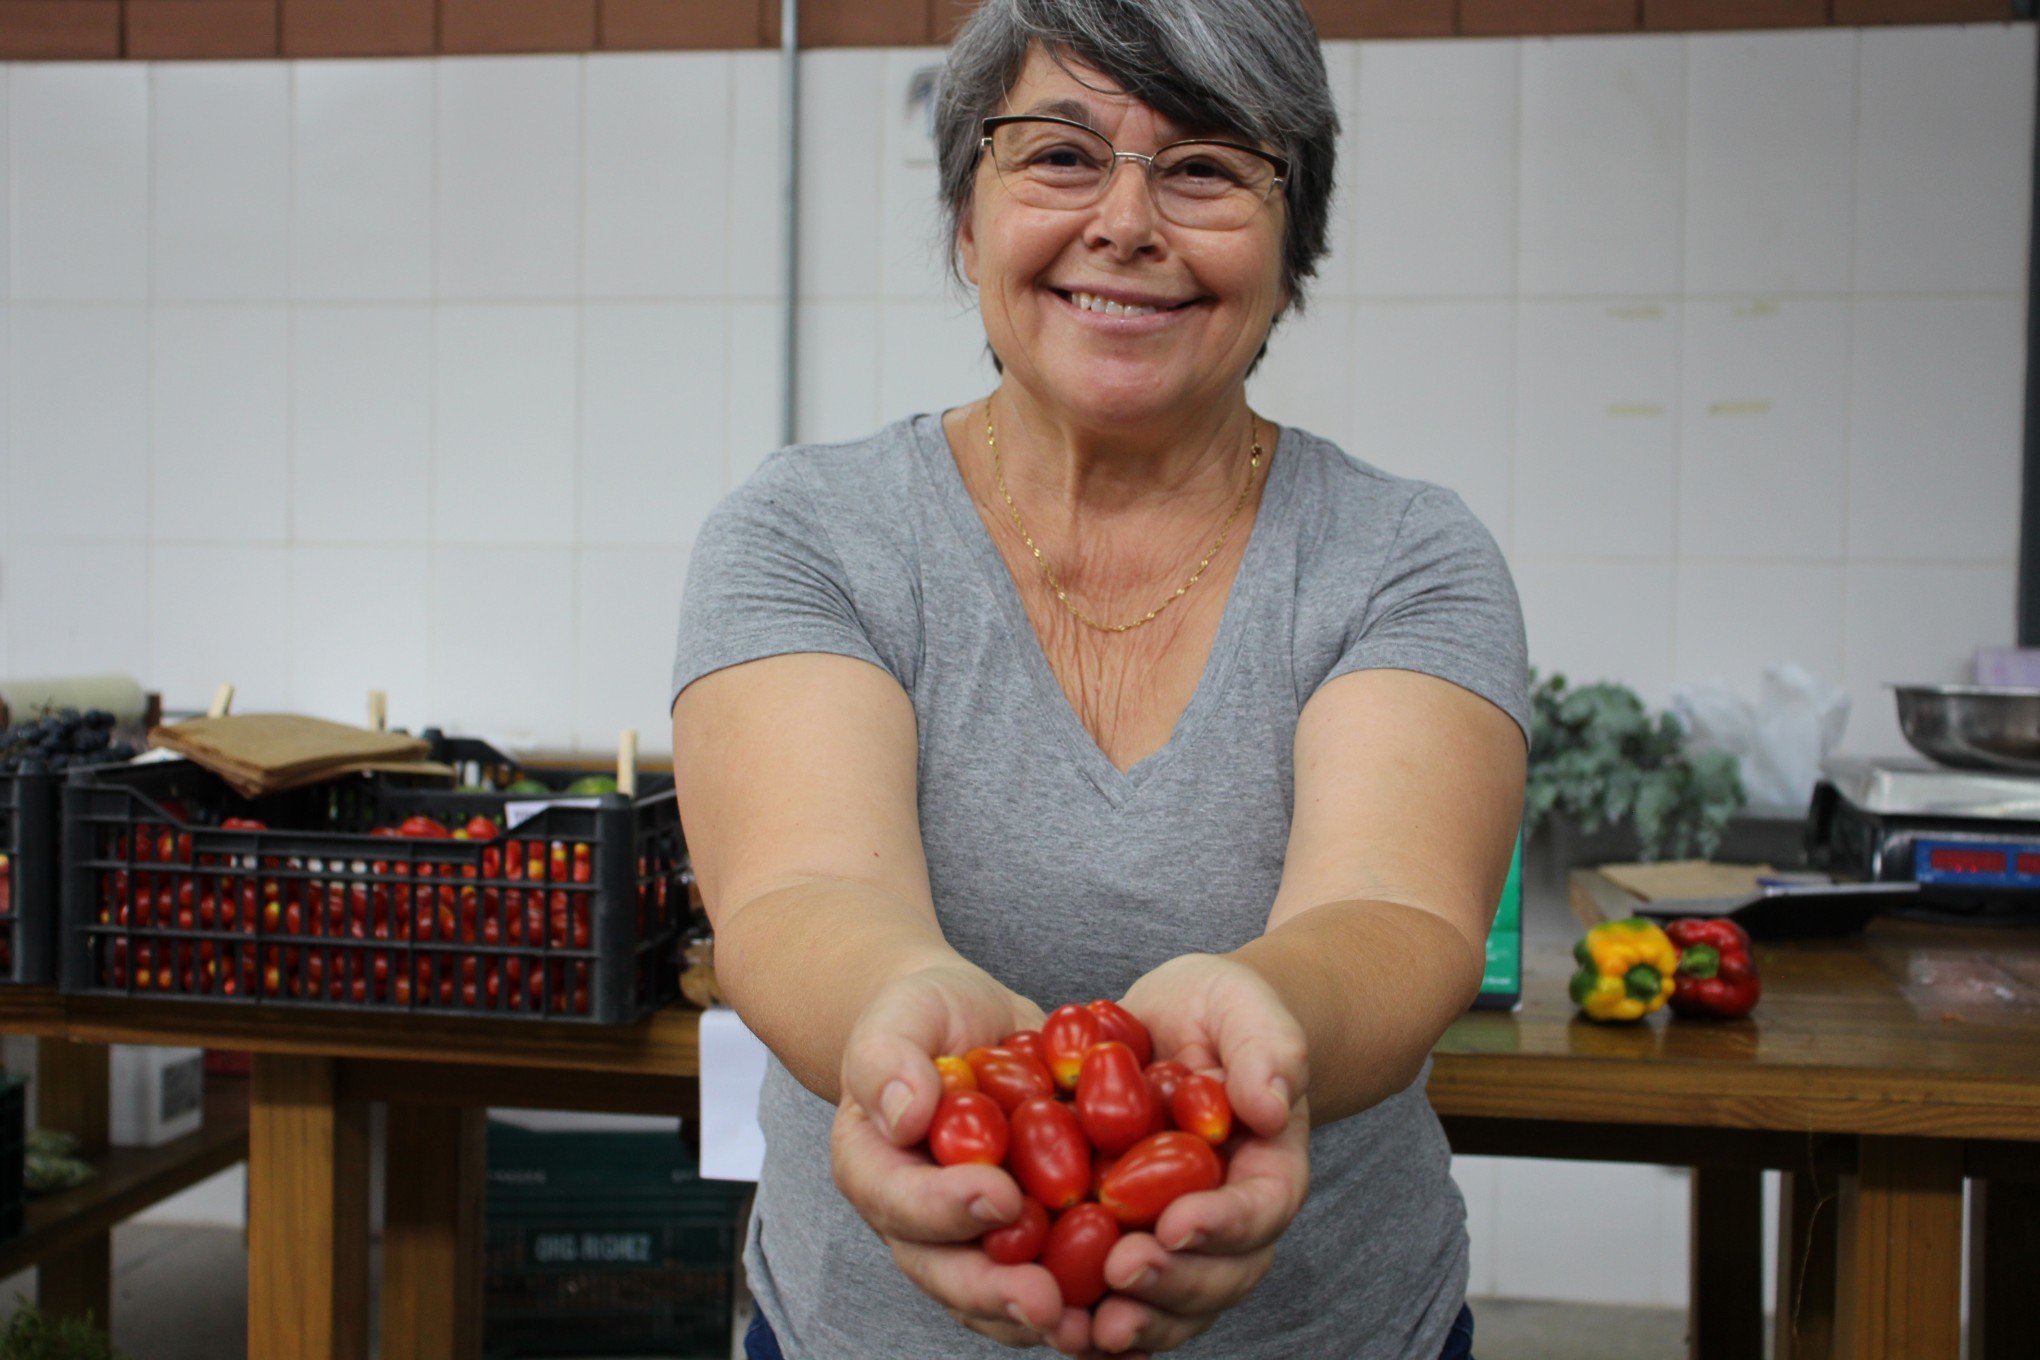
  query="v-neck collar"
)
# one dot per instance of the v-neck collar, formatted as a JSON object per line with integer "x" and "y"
{"x": 1248, "y": 583}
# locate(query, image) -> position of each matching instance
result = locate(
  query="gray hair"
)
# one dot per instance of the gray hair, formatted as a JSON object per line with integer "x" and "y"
{"x": 1253, "y": 66}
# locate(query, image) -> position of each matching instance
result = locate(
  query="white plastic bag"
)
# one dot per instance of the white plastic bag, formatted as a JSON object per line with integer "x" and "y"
{"x": 1780, "y": 741}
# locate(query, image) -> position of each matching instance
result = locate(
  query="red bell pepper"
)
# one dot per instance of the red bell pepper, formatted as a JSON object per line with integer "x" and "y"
{"x": 1716, "y": 977}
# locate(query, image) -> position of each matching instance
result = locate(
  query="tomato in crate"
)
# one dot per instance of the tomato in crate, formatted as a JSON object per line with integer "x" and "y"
{"x": 480, "y": 903}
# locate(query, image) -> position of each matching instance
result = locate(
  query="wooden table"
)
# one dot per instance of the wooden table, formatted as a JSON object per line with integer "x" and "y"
{"x": 1868, "y": 1076}
{"x": 1873, "y": 1096}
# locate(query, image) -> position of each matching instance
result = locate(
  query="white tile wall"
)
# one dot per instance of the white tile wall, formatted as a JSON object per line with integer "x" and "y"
{"x": 79, "y": 206}
{"x": 220, "y": 198}
{"x": 1596, "y": 427}
{"x": 363, "y": 161}
{"x": 219, "y": 423}
{"x": 78, "y": 442}
{"x": 1769, "y": 185}
{"x": 652, "y": 420}
{"x": 1434, "y": 166}
{"x": 418, "y": 375}
{"x": 509, "y": 178}
{"x": 361, "y": 424}
{"x": 1603, "y": 123}
{"x": 506, "y": 380}
{"x": 1944, "y": 159}
{"x": 658, "y": 146}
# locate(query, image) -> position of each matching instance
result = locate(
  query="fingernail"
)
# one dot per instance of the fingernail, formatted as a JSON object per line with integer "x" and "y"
{"x": 1189, "y": 1243}
{"x": 984, "y": 1211}
{"x": 892, "y": 1105}
{"x": 1282, "y": 1093}
{"x": 1018, "y": 1314}
{"x": 1143, "y": 1280}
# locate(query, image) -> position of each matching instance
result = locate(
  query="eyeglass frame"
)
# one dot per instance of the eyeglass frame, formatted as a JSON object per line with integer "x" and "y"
{"x": 990, "y": 125}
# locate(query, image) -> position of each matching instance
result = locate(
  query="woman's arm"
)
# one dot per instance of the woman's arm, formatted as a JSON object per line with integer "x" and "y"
{"x": 796, "y": 781}
{"x": 797, "y": 787}
{"x": 1409, "y": 791}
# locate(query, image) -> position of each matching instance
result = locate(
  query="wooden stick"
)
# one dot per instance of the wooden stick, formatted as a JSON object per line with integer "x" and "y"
{"x": 378, "y": 710}
{"x": 222, "y": 701}
{"x": 626, "y": 763}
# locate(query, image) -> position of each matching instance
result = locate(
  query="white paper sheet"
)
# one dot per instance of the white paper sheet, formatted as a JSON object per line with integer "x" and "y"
{"x": 732, "y": 1072}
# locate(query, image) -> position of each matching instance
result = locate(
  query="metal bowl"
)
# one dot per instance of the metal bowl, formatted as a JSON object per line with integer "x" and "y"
{"x": 1972, "y": 727}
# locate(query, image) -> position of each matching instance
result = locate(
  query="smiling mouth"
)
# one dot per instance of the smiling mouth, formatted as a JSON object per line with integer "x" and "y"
{"x": 1091, "y": 302}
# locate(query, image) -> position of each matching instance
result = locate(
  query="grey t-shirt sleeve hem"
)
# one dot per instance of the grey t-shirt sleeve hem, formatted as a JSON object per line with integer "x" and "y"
{"x": 1441, "y": 664}
{"x": 711, "y": 654}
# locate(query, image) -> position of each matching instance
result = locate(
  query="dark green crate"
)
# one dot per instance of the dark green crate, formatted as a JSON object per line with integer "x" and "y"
{"x": 607, "y": 1244}
{"x": 13, "y": 1118}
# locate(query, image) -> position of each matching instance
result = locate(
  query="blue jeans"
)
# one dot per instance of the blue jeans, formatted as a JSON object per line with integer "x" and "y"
{"x": 761, "y": 1344}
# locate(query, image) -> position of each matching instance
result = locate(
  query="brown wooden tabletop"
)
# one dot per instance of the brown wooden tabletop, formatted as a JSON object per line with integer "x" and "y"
{"x": 1888, "y": 1062}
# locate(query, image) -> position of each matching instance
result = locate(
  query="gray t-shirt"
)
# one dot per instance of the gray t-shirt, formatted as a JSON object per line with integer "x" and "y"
{"x": 1067, "y": 879}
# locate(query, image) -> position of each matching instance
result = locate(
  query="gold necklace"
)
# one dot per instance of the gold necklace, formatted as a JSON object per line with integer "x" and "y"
{"x": 1048, "y": 572}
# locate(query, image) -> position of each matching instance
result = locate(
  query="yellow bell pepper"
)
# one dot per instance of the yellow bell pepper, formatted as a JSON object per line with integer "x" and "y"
{"x": 1627, "y": 970}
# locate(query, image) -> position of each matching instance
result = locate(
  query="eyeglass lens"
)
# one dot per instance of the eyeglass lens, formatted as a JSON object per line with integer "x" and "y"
{"x": 1195, "y": 184}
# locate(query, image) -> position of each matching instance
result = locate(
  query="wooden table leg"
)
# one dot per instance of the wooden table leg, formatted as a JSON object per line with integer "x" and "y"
{"x": 432, "y": 1233}
{"x": 72, "y": 1095}
{"x": 307, "y": 1213}
{"x": 2004, "y": 1264}
{"x": 1725, "y": 1304}
{"x": 1899, "y": 1251}
{"x": 1808, "y": 1206}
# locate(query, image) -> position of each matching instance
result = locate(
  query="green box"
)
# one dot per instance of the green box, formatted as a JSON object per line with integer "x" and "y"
{"x": 1501, "y": 986}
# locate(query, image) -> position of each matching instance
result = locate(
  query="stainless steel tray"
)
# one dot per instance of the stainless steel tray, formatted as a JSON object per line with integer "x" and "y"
{"x": 1972, "y": 727}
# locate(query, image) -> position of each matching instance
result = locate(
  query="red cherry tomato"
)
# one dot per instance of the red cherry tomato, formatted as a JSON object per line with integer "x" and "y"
{"x": 1019, "y": 1241}
{"x": 1164, "y": 1077}
{"x": 1048, "y": 1154}
{"x": 423, "y": 826}
{"x": 968, "y": 1126}
{"x": 1200, "y": 1106}
{"x": 1027, "y": 1041}
{"x": 1115, "y": 1022}
{"x": 1075, "y": 1253}
{"x": 956, "y": 1076}
{"x": 1114, "y": 1102}
{"x": 1009, "y": 1077}
{"x": 1155, "y": 1172}
{"x": 1066, "y": 1036}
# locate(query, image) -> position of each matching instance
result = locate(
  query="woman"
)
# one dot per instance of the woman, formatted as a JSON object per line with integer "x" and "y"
{"x": 1107, "y": 686}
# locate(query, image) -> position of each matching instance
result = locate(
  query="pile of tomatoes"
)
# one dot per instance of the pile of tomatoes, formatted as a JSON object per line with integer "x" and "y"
{"x": 1100, "y": 1137}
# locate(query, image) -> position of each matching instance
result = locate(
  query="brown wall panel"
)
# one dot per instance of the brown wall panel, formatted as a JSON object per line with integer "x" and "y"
{"x": 1691, "y": 15}
{"x": 168, "y": 30}
{"x": 946, "y": 16}
{"x": 59, "y": 30}
{"x": 360, "y": 28}
{"x": 855, "y": 23}
{"x": 1381, "y": 18}
{"x": 1500, "y": 18}
{"x": 654, "y": 24}
{"x": 472, "y": 26}
{"x": 1921, "y": 11}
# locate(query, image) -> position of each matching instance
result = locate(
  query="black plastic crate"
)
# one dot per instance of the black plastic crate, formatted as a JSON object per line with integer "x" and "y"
{"x": 573, "y": 914}
{"x": 607, "y": 1244}
{"x": 29, "y": 825}
{"x": 13, "y": 1142}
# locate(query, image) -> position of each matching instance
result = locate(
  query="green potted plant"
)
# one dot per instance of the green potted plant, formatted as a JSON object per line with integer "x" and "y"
{"x": 31, "y": 1336}
{"x": 1600, "y": 759}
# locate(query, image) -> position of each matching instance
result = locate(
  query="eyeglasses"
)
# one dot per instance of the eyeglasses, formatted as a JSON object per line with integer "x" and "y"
{"x": 1049, "y": 162}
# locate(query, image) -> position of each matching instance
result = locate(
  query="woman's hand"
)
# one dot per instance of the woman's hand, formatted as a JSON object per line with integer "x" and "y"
{"x": 1209, "y": 1250}
{"x": 931, "y": 1216}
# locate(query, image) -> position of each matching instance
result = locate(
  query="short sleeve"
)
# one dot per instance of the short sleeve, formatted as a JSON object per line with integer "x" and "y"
{"x": 1445, "y": 605}
{"x": 765, "y": 580}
